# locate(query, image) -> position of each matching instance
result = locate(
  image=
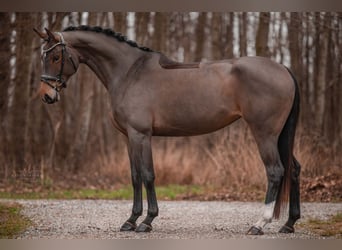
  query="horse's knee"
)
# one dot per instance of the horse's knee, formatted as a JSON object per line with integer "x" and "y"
{"x": 273, "y": 165}
{"x": 148, "y": 178}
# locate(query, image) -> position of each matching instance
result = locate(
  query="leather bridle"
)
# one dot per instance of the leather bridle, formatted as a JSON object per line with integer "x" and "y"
{"x": 60, "y": 82}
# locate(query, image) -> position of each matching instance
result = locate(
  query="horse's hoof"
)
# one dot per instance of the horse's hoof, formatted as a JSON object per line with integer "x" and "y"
{"x": 143, "y": 228}
{"x": 255, "y": 231}
{"x": 128, "y": 226}
{"x": 286, "y": 229}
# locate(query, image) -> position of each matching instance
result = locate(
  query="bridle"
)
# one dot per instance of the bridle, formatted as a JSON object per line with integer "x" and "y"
{"x": 60, "y": 82}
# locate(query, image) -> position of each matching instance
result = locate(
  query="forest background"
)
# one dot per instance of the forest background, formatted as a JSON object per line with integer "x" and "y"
{"x": 72, "y": 144}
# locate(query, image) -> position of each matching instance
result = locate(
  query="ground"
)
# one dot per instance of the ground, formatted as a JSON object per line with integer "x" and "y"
{"x": 196, "y": 212}
{"x": 101, "y": 219}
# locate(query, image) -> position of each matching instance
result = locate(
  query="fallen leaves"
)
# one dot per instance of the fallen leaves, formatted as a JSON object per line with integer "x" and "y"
{"x": 326, "y": 188}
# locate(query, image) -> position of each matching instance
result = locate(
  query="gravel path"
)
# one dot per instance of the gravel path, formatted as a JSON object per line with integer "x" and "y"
{"x": 101, "y": 219}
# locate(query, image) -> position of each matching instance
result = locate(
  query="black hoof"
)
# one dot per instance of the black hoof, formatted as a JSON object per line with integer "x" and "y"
{"x": 286, "y": 229}
{"x": 255, "y": 231}
{"x": 128, "y": 226}
{"x": 143, "y": 228}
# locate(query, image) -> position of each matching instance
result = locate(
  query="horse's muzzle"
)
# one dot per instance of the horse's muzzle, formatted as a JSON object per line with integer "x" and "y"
{"x": 48, "y": 94}
{"x": 50, "y": 100}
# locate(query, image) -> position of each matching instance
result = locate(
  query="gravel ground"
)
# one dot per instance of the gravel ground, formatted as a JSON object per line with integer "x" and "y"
{"x": 101, "y": 219}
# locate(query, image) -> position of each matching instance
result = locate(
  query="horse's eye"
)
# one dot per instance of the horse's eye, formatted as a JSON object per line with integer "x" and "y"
{"x": 55, "y": 58}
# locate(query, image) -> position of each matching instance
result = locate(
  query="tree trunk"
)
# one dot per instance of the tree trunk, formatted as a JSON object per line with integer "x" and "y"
{"x": 187, "y": 37}
{"x": 5, "y": 78}
{"x": 329, "y": 113}
{"x": 321, "y": 78}
{"x": 120, "y": 22}
{"x": 305, "y": 94}
{"x": 243, "y": 33}
{"x": 295, "y": 46}
{"x": 200, "y": 36}
{"x": 261, "y": 40}
{"x": 141, "y": 28}
{"x": 159, "y": 42}
{"x": 19, "y": 110}
{"x": 5, "y": 51}
{"x": 217, "y": 44}
{"x": 316, "y": 58}
{"x": 229, "y": 36}
{"x": 339, "y": 78}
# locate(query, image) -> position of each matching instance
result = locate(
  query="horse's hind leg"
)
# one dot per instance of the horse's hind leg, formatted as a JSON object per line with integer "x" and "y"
{"x": 294, "y": 211}
{"x": 275, "y": 171}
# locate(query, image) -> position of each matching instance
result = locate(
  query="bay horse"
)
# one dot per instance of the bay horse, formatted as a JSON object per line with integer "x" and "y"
{"x": 152, "y": 95}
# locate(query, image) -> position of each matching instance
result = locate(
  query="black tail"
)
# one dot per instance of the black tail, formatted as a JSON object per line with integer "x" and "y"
{"x": 285, "y": 147}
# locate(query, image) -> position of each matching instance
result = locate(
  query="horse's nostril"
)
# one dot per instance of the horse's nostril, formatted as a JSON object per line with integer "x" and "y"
{"x": 48, "y": 99}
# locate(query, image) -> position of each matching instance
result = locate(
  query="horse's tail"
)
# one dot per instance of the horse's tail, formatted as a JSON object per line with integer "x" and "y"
{"x": 285, "y": 148}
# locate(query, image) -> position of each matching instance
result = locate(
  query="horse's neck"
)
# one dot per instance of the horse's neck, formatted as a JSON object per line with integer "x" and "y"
{"x": 108, "y": 58}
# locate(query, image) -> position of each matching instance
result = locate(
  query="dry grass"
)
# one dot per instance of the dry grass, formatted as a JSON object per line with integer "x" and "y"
{"x": 226, "y": 159}
{"x": 316, "y": 155}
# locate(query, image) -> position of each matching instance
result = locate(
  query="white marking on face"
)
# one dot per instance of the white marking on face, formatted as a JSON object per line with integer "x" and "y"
{"x": 267, "y": 215}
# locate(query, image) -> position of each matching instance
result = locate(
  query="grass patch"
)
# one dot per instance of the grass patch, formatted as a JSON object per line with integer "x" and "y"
{"x": 11, "y": 221}
{"x": 169, "y": 192}
{"x": 172, "y": 192}
{"x": 326, "y": 228}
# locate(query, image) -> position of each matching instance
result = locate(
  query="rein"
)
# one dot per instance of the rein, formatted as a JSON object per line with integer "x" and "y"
{"x": 61, "y": 83}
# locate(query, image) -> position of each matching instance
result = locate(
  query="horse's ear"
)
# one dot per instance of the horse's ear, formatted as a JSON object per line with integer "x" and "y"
{"x": 51, "y": 35}
{"x": 41, "y": 34}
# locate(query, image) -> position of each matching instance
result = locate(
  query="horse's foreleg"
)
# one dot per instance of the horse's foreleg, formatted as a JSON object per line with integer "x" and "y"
{"x": 147, "y": 173}
{"x": 294, "y": 211}
{"x": 134, "y": 154}
{"x": 140, "y": 154}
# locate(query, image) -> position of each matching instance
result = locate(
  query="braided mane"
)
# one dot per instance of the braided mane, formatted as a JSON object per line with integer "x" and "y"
{"x": 109, "y": 32}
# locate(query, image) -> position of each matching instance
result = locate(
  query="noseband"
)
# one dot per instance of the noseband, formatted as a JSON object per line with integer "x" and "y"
{"x": 58, "y": 79}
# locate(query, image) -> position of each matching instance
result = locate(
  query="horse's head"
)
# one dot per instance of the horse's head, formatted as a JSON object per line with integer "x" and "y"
{"x": 60, "y": 61}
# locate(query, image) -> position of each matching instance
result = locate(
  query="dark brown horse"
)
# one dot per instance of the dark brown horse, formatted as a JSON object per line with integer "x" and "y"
{"x": 152, "y": 95}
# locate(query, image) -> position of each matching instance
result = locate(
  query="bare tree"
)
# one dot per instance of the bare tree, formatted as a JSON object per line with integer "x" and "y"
{"x": 261, "y": 40}
{"x": 141, "y": 28}
{"x": 229, "y": 36}
{"x": 200, "y": 35}
{"x": 19, "y": 109}
{"x": 120, "y": 22}
{"x": 322, "y": 70}
{"x": 159, "y": 42}
{"x": 217, "y": 43}
{"x": 5, "y": 69}
{"x": 243, "y": 23}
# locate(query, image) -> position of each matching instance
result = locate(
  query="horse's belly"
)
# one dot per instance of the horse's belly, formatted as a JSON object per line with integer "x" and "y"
{"x": 189, "y": 126}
